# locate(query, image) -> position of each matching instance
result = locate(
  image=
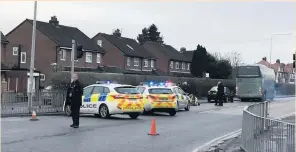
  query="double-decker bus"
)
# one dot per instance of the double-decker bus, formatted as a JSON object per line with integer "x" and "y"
{"x": 255, "y": 82}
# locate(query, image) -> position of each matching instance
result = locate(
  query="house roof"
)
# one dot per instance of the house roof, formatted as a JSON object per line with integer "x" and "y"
{"x": 128, "y": 46}
{"x": 63, "y": 35}
{"x": 278, "y": 66}
{"x": 168, "y": 51}
{"x": 266, "y": 63}
{"x": 3, "y": 38}
{"x": 288, "y": 68}
{"x": 188, "y": 54}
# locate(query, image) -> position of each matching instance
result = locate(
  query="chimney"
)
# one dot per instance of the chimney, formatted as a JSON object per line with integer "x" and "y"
{"x": 182, "y": 49}
{"x": 264, "y": 59}
{"x": 278, "y": 61}
{"x": 54, "y": 21}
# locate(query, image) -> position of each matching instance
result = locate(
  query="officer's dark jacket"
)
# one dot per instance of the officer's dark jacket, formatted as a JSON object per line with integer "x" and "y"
{"x": 76, "y": 90}
{"x": 220, "y": 88}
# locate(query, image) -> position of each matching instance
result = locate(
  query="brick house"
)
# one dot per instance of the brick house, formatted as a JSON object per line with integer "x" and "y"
{"x": 169, "y": 59}
{"x": 126, "y": 54}
{"x": 53, "y": 48}
{"x": 4, "y": 43}
{"x": 188, "y": 54}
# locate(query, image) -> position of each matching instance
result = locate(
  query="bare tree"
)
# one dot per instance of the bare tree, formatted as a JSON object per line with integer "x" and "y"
{"x": 217, "y": 56}
{"x": 234, "y": 58}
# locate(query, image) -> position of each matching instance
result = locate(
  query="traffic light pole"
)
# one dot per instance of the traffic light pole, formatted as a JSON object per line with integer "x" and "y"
{"x": 72, "y": 59}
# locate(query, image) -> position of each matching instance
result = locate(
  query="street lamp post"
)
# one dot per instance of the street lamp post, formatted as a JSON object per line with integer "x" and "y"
{"x": 271, "y": 43}
{"x": 32, "y": 59}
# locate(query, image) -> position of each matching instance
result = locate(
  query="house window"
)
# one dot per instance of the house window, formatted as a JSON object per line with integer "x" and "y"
{"x": 177, "y": 65}
{"x": 98, "y": 58}
{"x": 63, "y": 54}
{"x": 15, "y": 51}
{"x": 99, "y": 42}
{"x": 128, "y": 61}
{"x": 172, "y": 64}
{"x": 136, "y": 61}
{"x": 145, "y": 63}
{"x": 152, "y": 63}
{"x": 88, "y": 57}
{"x": 188, "y": 66}
{"x": 23, "y": 57}
{"x": 183, "y": 65}
{"x": 42, "y": 77}
{"x": 129, "y": 47}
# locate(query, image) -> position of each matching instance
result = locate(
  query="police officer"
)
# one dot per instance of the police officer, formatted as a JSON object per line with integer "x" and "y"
{"x": 74, "y": 95}
{"x": 220, "y": 93}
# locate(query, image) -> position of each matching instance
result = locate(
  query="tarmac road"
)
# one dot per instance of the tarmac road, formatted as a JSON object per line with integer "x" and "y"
{"x": 182, "y": 133}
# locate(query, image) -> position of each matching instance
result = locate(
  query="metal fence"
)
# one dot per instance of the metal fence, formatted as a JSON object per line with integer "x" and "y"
{"x": 43, "y": 102}
{"x": 262, "y": 134}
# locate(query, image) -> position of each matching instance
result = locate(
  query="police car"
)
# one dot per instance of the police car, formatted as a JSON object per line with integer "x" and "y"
{"x": 159, "y": 93}
{"x": 107, "y": 99}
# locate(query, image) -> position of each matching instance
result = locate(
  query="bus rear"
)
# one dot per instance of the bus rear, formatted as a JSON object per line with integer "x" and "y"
{"x": 248, "y": 82}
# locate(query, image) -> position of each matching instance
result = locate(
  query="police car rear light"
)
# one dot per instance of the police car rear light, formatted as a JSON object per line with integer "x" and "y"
{"x": 118, "y": 96}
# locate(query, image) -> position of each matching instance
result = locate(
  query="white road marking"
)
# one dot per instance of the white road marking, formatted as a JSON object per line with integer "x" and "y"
{"x": 221, "y": 138}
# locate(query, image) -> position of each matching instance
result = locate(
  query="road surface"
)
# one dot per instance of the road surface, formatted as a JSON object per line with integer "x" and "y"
{"x": 182, "y": 133}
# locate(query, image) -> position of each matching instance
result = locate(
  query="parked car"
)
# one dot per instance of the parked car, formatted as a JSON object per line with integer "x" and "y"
{"x": 212, "y": 94}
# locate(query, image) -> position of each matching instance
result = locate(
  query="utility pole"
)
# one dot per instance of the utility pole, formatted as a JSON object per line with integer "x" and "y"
{"x": 72, "y": 59}
{"x": 32, "y": 59}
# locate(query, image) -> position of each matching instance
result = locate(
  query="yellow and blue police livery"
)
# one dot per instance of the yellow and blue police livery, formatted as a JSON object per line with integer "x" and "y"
{"x": 182, "y": 98}
{"x": 107, "y": 99}
{"x": 158, "y": 98}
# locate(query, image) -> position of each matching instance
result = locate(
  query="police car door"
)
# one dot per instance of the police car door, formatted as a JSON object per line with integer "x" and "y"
{"x": 93, "y": 105}
{"x": 86, "y": 97}
{"x": 183, "y": 97}
{"x": 179, "y": 99}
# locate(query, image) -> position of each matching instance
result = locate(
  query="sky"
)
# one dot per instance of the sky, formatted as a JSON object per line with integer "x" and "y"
{"x": 224, "y": 27}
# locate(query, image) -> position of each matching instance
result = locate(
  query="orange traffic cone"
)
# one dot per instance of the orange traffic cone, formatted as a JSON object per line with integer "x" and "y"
{"x": 34, "y": 117}
{"x": 153, "y": 128}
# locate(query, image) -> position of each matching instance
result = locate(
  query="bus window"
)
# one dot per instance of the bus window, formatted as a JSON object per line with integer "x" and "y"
{"x": 248, "y": 71}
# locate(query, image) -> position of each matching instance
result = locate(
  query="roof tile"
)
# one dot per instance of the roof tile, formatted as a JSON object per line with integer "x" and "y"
{"x": 128, "y": 46}
{"x": 168, "y": 50}
{"x": 63, "y": 35}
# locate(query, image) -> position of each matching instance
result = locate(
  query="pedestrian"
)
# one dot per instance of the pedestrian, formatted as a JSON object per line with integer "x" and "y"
{"x": 217, "y": 95}
{"x": 74, "y": 95}
{"x": 220, "y": 93}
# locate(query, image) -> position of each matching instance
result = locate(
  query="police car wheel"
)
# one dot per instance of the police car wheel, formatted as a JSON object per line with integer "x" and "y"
{"x": 68, "y": 110}
{"x": 104, "y": 111}
{"x": 134, "y": 115}
{"x": 172, "y": 113}
{"x": 187, "y": 108}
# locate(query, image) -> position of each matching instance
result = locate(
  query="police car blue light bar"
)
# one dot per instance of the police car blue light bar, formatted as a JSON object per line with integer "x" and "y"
{"x": 106, "y": 82}
{"x": 152, "y": 83}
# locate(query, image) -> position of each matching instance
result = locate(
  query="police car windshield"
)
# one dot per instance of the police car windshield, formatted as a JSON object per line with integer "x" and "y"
{"x": 160, "y": 91}
{"x": 126, "y": 90}
{"x": 141, "y": 89}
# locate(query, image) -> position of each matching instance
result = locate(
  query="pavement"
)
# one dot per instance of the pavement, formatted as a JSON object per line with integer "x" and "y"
{"x": 184, "y": 132}
{"x": 288, "y": 115}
